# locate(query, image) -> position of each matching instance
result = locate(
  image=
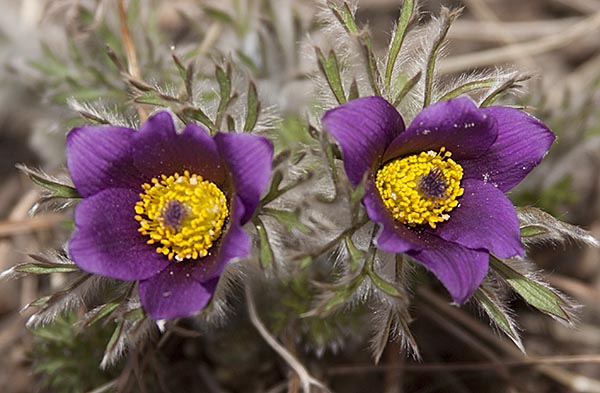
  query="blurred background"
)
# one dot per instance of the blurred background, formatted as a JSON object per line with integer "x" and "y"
{"x": 54, "y": 51}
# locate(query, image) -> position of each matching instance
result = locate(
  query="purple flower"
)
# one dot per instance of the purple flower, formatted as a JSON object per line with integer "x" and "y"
{"x": 164, "y": 208}
{"x": 437, "y": 187}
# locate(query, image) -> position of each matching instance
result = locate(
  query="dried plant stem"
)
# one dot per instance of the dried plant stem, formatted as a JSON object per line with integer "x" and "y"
{"x": 280, "y": 387}
{"x": 306, "y": 379}
{"x": 534, "y": 47}
{"x": 467, "y": 338}
{"x": 580, "y": 78}
{"x": 132, "y": 62}
{"x": 577, "y": 383}
{"x": 584, "y": 6}
{"x": 19, "y": 213}
{"x": 107, "y": 387}
{"x": 294, "y": 380}
{"x": 466, "y": 366}
{"x": 483, "y": 12}
{"x": 17, "y": 227}
{"x": 393, "y": 378}
{"x": 519, "y": 30}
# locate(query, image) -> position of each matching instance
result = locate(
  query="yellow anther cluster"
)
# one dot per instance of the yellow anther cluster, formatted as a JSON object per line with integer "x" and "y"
{"x": 421, "y": 188}
{"x": 182, "y": 214}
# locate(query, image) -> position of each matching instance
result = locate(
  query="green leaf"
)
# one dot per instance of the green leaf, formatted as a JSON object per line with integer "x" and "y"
{"x": 398, "y": 39}
{"x": 141, "y": 85}
{"x": 189, "y": 82}
{"x": 469, "y": 87}
{"x": 330, "y": 154}
{"x": 59, "y": 190}
{"x": 180, "y": 67}
{"x": 385, "y": 286}
{"x": 114, "y": 58}
{"x": 357, "y": 195}
{"x": 224, "y": 81}
{"x": 151, "y": 98}
{"x": 136, "y": 314}
{"x": 339, "y": 295}
{"x": 353, "y": 93}
{"x": 266, "y": 252}
{"x": 252, "y": 109}
{"x": 333, "y": 302}
{"x": 379, "y": 282}
{"x": 273, "y": 193}
{"x": 230, "y": 123}
{"x": 93, "y": 117}
{"x": 503, "y": 88}
{"x": 101, "y": 312}
{"x": 407, "y": 87}
{"x": 534, "y": 293}
{"x": 491, "y": 305}
{"x": 115, "y": 338}
{"x": 532, "y": 220}
{"x": 289, "y": 218}
{"x": 198, "y": 115}
{"x": 305, "y": 262}
{"x": 330, "y": 68}
{"x": 345, "y": 16}
{"x": 533, "y": 230}
{"x": 448, "y": 18}
{"x": 45, "y": 268}
{"x": 40, "y": 302}
{"x": 356, "y": 255}
{"x": 372, "y": 69}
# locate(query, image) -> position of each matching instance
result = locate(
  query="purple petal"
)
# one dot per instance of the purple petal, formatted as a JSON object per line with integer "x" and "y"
{"x": 458, "y": 125}
{"x": 174, "y": 293}
{"x": 363, "y": 128}
{"x": 106, "y": 240}
{"x": 99, "y": 157}
{"x": 393, "y": 236}
{"x": 460, "y": 269}
{"x": 159, "y": 150}
{"x": 485, "y": 219}
{"x": 234, "y": 245}
{"x": 522, "y": 143}
{"x": 248, "y": 158}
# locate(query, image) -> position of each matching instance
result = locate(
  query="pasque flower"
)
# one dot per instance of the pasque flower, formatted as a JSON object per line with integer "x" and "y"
{"x": 437, "y": 187}
{"x": 164, "y": 208}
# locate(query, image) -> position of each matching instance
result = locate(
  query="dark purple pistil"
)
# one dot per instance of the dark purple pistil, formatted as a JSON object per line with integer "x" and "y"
{"x": 433, "y": 184}
{"x": 174, "y": 214}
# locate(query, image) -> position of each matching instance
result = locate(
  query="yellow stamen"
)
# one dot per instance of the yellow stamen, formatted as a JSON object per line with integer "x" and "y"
{"x": 421, "y": 188}
{"x": 182, "y": 214}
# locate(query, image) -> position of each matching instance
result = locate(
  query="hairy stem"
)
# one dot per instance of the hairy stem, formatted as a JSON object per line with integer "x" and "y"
{"x": 306, "y": 379}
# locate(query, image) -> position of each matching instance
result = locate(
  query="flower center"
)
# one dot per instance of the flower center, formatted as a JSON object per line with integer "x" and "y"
{"x": 422, "y": 188}
{"x": 182, "y": 214}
